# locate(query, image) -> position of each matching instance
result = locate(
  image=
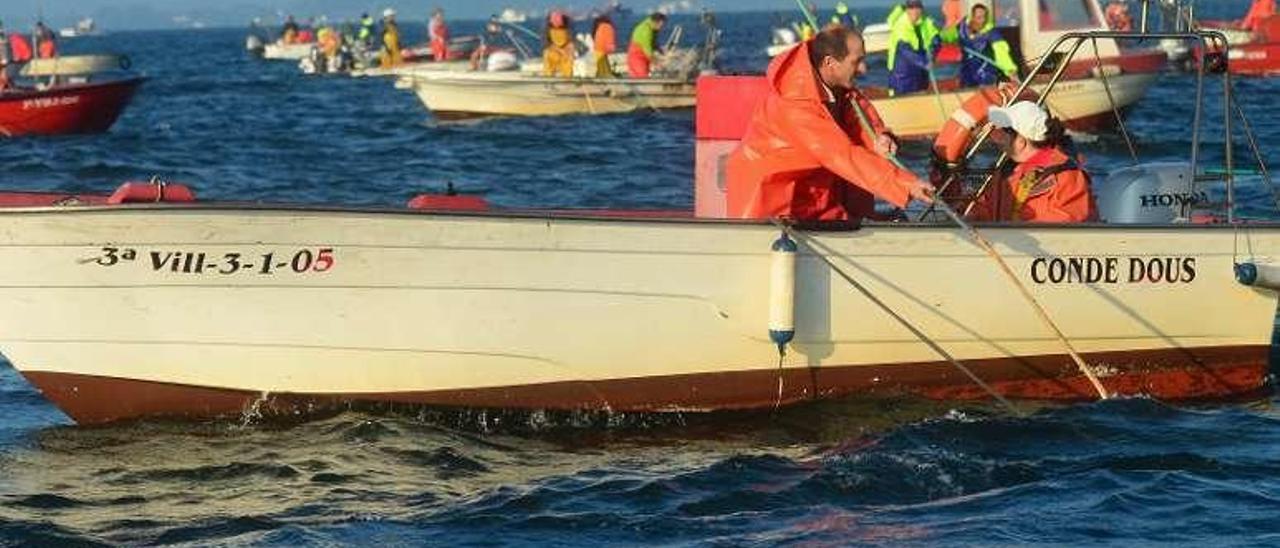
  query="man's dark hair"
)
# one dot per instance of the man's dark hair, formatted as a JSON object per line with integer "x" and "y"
{"x": 833, "y": 41}
{"x": 658, "y": 16}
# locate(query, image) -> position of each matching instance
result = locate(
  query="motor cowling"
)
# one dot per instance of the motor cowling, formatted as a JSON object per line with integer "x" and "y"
{"x": 1161, "y": 192}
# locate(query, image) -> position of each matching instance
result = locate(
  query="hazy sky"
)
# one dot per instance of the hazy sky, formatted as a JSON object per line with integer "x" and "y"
{"x": 133, "y": 14}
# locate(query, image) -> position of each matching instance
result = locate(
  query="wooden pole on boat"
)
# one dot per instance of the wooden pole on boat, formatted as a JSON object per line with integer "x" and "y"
{"x": 986, "y": 246}
{"x": 813, "y": 21}
{"x": 1026, "y": 293}
{"x": 586, "y": 93}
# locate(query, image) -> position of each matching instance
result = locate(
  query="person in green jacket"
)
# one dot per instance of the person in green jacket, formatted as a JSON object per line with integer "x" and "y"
{"x": 985, "y": 56}
{"x": 913, "y": 42}
{"x": 644, "y": 44}
{"x": 843, "y": 18}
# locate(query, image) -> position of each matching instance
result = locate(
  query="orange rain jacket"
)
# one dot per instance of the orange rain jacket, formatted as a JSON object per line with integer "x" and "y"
{"x": 1259, "y": 10}
{"x": 796, "y": 161}
{"x": 1047, "y": 188}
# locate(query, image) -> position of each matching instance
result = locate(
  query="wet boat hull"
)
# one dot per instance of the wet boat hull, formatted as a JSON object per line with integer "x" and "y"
{"x": 75, "y": 108}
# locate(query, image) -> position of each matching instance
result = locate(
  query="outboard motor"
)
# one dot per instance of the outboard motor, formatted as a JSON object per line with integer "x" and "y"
{"x": 253, "y": 44}
{"x": 502, "y": 61}
{"x": 1160, "y": 192}
{"x": 783, "y": 35}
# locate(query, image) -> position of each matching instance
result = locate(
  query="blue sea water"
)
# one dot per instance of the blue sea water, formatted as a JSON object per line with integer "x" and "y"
{"x": 884, "y": 472}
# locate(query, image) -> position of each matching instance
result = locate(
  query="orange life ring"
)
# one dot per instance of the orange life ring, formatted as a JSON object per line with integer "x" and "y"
{"x": 958, "y": 131}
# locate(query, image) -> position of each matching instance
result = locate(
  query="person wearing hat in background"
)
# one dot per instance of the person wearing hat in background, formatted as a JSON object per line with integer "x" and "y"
{"x": 913, "y": 41}
{"x": 644, "y": 45}
{"x": 977, "y": 33}
{"x": 1118, "y": 16}
{"x": 1047, "y": 185}
{"x": 365, "y": 35}
{"x": 491, "y": 41}
{"x": 559, "y": 52}
{"x": 390, "y": 54}
{"x": 46, "y": 43}
{"x": 806, "y": 154}
{"x": 289, "y": 31}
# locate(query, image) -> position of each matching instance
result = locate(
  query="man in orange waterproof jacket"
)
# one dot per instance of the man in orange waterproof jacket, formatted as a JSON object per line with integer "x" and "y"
{"x": 1047, "y": 185}
{"x": 806, "y": 155}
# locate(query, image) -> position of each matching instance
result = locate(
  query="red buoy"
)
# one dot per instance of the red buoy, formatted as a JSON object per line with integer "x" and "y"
{"x": 138, "y": 192}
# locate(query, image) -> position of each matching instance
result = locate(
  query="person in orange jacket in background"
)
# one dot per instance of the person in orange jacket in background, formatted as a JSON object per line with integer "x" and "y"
{"x": 1258, "y": 11}
{"x": 1047, "y": 185}
{"x": 806, "y": 155}
{"x": 438, "y": 35}
{"x": 46, "y": 43}
{"x": 604, "y": 41}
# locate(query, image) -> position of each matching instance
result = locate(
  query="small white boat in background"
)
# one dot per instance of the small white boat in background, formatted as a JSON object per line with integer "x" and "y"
{"x": 453, "y": 95}
{"x": 83, "y": 27}
{"x": 513, "y": 16}
{"x": 286, "y": 52}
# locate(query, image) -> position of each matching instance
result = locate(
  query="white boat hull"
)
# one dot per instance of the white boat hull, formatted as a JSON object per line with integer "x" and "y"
{"x": 198, "y": 311}
{"x": 1083, "y": 103}
{"x": 413, "y": 69}
{"x": 457, "y": 95}
{"x": 288, "y": 52}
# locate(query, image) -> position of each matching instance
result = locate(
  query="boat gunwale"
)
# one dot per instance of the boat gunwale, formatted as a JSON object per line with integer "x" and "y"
{"x": 508, "y": 77}
{"x": 19, "y": 93}
{"x": 596, "y": 215}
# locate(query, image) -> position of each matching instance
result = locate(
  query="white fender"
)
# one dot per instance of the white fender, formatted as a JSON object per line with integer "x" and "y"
{"x": 782, "y": 292}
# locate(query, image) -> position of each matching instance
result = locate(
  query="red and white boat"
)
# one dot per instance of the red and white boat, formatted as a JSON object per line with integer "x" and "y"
{"x": 66, "y": 95}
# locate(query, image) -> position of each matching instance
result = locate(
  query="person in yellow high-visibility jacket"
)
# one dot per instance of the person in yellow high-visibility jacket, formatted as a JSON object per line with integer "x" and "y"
{"x": 390, "y": 54}
{"x": 558, "y": 55}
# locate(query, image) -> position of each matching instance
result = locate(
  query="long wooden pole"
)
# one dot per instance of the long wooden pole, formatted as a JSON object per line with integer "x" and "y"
{"x": 986, "y": 246}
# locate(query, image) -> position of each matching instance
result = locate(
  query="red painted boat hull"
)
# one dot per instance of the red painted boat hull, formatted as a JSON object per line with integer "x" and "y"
{"x": 1254, "y": 59}
{"x": 73, "y": 108}
{"x": 1215, "y": 373}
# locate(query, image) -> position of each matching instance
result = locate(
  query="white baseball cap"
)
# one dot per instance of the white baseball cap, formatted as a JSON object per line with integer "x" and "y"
{"x": 388, "y": 12}
{"x": 1024, "y": 117}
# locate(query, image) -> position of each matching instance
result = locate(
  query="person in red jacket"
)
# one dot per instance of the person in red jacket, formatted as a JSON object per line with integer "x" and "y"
{"x": 1047, "y": 185}
{"x": 46, "y": 43}
{"x": 807, "y": 154}
{"x": 438, "y": 35}
{"x": 19, "y": 48}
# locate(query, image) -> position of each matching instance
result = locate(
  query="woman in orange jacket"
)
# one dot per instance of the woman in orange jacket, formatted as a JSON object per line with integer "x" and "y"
{"x": 1047, "y": 185}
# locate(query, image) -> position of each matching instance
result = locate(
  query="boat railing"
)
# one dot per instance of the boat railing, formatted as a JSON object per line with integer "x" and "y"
{"x": 1211, "y": 60}
{"x": 75, "y": 65}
